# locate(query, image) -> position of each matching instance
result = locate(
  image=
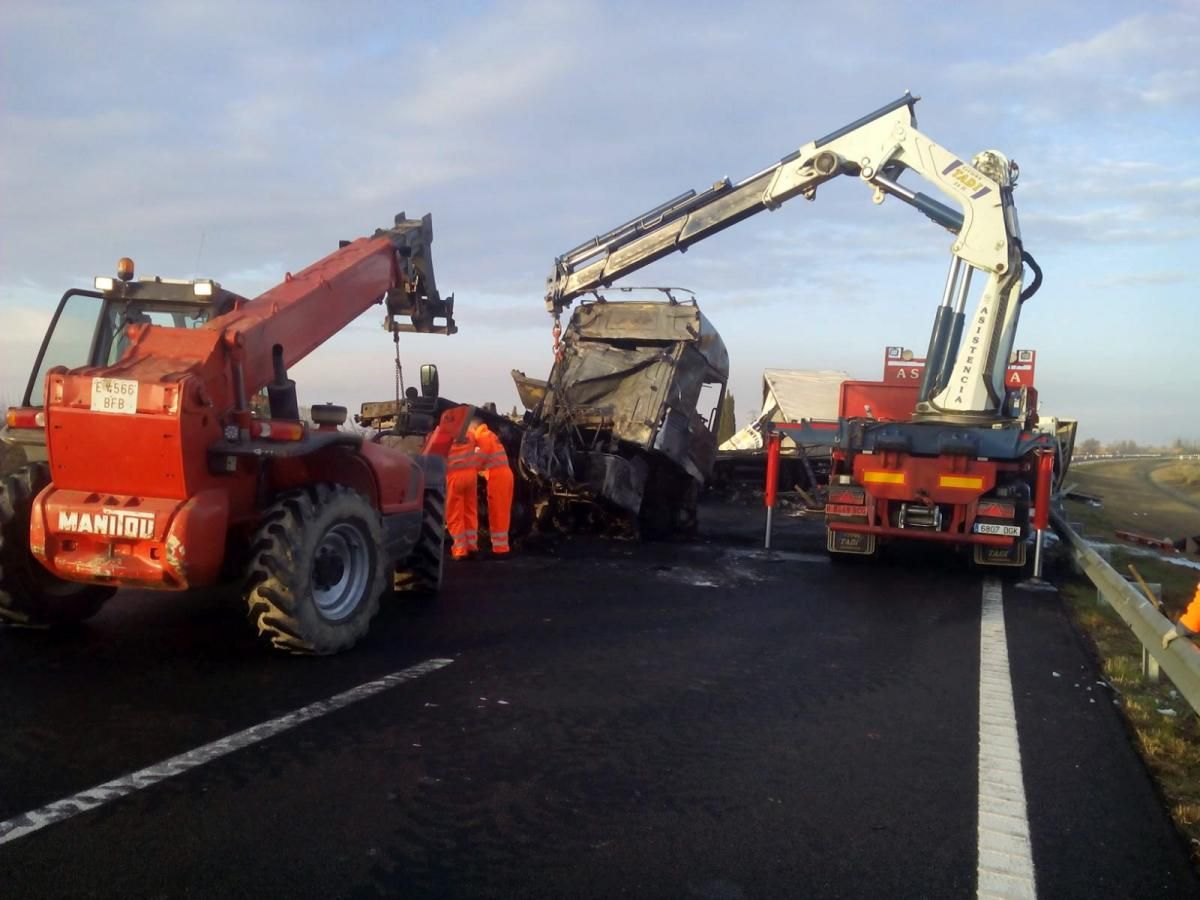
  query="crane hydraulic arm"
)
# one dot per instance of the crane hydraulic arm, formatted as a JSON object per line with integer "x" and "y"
{"x": 966, "y": 372}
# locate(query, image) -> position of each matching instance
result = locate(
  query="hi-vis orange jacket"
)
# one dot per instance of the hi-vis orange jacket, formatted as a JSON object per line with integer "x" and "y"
{"x": 492, "y": 454}
{"x": 1191, "y": 616}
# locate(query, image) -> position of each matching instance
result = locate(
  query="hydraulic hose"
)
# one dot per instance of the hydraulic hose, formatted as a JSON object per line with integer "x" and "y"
{"x": 1032, "y": 289}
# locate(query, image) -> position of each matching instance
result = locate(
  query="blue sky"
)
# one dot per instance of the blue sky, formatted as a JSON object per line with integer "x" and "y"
{"x": 242, "y": 140}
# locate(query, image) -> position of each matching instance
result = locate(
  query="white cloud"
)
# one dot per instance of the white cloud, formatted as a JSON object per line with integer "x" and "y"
{"x": 526, "y": 127}
{"x": 1144, "y": 60}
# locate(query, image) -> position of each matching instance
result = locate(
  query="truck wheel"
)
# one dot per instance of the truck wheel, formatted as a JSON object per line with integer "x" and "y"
{"x": 316, "y": 570}
{"x": 29, "y": 595}
{"x": 422, "y": 573}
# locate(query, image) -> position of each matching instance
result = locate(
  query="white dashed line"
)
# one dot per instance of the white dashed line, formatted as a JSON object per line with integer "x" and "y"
{"x": 37, "y": 819}
{"x": 1005, "y": 866}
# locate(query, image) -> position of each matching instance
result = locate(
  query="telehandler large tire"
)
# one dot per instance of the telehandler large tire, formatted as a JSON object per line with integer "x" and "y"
{"x": 316, "y": 571}
{"x": 29, "y": 595}
{"x": 422, "y": 572}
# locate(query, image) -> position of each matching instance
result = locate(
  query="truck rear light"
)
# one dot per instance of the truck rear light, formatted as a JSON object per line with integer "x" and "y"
{"x": 997, "y": 509}
{"x": 25, "y": 417}
{"x": 277, "y": 430}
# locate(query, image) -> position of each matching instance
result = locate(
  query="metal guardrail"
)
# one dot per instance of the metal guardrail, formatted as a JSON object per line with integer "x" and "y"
{"x": 1179, "y": 658}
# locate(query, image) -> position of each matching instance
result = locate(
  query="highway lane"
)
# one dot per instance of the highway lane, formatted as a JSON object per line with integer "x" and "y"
{"x": 658, "y": 720}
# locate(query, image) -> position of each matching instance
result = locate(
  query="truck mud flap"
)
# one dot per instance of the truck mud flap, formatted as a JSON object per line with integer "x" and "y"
{"x": 1013, "y": 555}
{"x": 849, "y": 542}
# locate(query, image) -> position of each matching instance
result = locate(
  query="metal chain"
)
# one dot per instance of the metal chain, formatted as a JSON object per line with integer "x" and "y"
{"x": 399, "y": 371}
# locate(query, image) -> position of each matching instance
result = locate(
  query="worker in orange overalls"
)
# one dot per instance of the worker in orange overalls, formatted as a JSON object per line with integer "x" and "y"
{"x": 1190, "y": 620}
{"x": 462, "y": 506}
{"x": 493, "y": 463}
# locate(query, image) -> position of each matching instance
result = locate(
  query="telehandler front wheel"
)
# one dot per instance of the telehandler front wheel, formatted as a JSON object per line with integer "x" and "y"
{"x": 29, "y": 595}
{"x": 316, "y": 571}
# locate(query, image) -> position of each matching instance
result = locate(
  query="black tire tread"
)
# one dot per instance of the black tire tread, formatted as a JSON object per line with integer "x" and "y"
{"x": 422, "y": 572}
{"x": 24, "y": 600}
{"x": 276, "y": 587}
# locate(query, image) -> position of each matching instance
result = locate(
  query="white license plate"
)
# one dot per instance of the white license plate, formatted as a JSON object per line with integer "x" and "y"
{"x": 114, "y": 395}
{"x": 989, "y": 528}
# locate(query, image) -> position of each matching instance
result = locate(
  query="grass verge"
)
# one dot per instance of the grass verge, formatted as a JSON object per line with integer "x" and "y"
{"x": 1169, "y": 741}
{"x": 1163, "y": 726}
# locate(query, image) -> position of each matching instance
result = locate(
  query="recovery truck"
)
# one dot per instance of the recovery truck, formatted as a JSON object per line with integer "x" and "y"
{"x": 964, "y": 463}
{"x": 161, "y": 472}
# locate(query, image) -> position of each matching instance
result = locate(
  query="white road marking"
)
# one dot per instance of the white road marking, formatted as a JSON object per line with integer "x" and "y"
{"x": 37, "y": 819}
{"x": 1005, "y": 864}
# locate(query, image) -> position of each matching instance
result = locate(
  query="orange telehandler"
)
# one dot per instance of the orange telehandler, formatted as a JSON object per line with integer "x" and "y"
{"x": 162, "y": 474}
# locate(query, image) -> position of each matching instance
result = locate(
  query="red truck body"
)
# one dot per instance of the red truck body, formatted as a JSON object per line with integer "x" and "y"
{"x": 923, "y": 481}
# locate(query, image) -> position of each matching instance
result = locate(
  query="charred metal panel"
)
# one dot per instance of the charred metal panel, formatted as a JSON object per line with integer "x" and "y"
{"x": 532, "y": 391}
{"x": 618, "y": 480}
{"x": 621, "y": 402}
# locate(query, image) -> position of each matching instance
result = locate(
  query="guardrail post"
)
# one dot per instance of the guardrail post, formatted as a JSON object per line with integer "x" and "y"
{"x": 1150, "y": 667}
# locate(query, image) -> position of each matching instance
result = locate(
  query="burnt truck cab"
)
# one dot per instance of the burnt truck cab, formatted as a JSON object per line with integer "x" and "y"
{"x": 628, "y": 416}
{"x": 91, "y": 328}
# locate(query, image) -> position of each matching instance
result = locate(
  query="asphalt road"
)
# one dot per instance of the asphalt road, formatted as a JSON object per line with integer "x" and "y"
{"x": 670, "y": 720}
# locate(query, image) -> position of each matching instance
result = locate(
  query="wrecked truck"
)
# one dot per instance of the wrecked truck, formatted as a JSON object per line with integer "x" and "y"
{"x": 624, "y": 430}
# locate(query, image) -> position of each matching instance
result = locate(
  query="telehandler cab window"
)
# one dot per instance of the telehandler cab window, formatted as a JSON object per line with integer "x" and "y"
{"x": 88, "y": 329}
{"x": 118, "y": 317}
{"x": 67, "y": 343}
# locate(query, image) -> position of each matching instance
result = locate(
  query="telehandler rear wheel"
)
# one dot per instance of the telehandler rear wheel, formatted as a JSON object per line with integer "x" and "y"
{"x": 29, "y": 595}
{"x": 422, "y": 572}
{"x": 316, "y": 571}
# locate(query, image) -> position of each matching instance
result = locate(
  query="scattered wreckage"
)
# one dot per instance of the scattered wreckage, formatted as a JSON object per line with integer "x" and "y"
{"x": 620, "y": 438}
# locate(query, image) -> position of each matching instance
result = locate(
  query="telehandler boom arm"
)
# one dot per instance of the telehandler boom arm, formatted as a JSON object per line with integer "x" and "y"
{"x": 200, "y": 379}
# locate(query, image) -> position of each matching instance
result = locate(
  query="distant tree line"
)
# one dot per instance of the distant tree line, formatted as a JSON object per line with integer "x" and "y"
{"x": 1178, "y": 447}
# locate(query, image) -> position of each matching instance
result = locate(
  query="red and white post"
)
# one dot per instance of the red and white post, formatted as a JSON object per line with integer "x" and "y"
{"x": 774, "y": 443}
